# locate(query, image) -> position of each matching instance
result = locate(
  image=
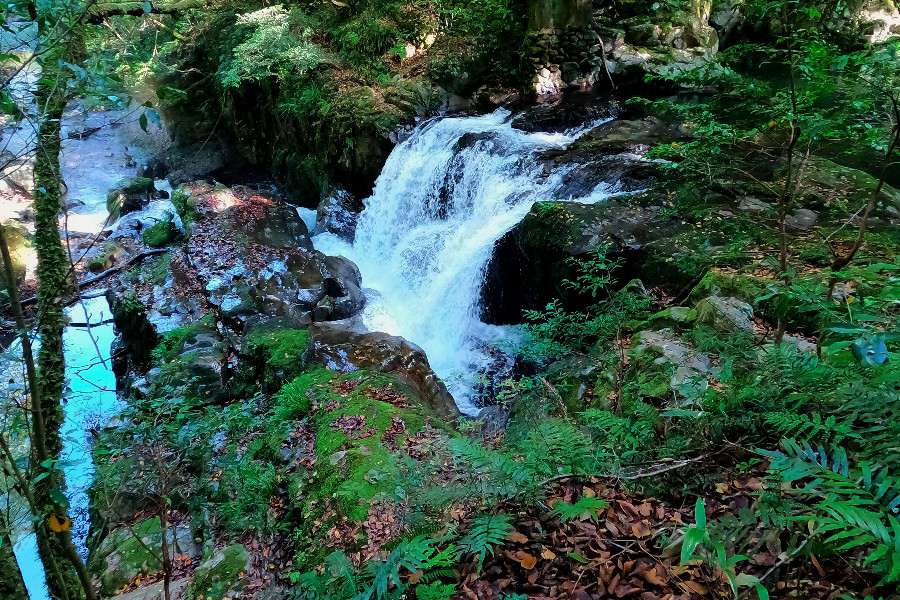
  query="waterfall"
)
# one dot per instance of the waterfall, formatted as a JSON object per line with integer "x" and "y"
{"x": 445, "y": 196}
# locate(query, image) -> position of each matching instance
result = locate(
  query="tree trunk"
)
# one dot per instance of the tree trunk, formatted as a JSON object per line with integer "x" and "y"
{"x": 54, "y": 287}
{"x": 12, "y": 585}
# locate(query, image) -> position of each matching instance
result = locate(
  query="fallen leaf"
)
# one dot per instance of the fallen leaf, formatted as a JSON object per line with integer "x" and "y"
{"x": 528, "y": 561}
{"x": 517, "y": 537}
{"x": 547, "y": 554}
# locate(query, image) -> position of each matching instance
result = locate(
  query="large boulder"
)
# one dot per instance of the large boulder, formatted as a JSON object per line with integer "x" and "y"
{"x": 342, "y": 347}
{"x": 253, "y": 258}
{"x": 531, "y": 261}
{"x": 829, "y": 186}
{"x": 726, "y": 314}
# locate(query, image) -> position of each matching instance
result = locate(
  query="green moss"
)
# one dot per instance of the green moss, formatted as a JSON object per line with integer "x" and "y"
{"x": 125, "y": 553}
{"x": 280, "y": 351}
{"x": 219, "y": 575}
{"x": 184, "y": 204}
{"x": 173, "y": 342}
{"x": 161, "y": 234}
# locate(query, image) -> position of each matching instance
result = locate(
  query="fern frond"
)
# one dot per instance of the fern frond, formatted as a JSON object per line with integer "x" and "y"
{"x": 584, "y": 508}
{"x": 486, "y": 532}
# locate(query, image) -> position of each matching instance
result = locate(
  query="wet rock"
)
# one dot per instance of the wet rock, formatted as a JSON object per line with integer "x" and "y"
{"x": 128, "y": 195}
{"x": 560, "y": 116}
{"x": 220, "y": 576}
{"x": 634, "y": 136}
{"x": 341, "y": 347}
{"x": 338, "y": 213}
{"x": 134, "y": 224}
{"x": 726, "y": 314}
{"x": 531, "y": 260}
{"x": 136, "y": 336}
{"x": 254, "y": 260}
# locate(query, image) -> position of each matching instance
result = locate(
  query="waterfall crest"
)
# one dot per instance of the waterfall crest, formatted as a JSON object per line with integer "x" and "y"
{"x": 445, "y": 196}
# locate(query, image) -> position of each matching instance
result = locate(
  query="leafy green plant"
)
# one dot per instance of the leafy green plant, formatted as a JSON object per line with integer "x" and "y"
{"x": 698, "y": 543}
{"x": 853, "y": 507}
{"x": 486, "y": 532}
{"x": 584, "y": 508}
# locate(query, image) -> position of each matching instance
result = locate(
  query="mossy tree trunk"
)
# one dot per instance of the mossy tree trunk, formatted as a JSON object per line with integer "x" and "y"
{"x": 69, "y": 580}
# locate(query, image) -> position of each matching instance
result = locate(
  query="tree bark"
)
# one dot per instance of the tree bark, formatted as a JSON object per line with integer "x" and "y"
{"x": 12, "y": 585}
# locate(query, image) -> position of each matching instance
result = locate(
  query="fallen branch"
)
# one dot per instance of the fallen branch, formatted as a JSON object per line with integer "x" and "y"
{"x": 111, "y": 271}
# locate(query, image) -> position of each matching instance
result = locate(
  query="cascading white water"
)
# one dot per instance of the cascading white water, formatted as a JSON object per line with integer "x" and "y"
{"x": 445, "y": 196}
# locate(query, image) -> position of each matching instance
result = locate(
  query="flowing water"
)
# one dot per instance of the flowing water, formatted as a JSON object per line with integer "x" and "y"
{"x": 445, "y": 196}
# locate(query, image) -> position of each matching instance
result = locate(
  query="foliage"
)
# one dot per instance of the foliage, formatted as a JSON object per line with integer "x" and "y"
{"x": 276, "y": 47}
{"x": 850, "y": 507}
{"x": 485, "y": 532}
{"x": 584, "y": 508}
{"x": 161, "y": 234}
{"x": 697, "y": 540}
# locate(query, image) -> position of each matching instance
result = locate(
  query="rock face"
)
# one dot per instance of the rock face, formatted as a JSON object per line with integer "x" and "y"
{"x": 531, "y": 260}
{"x": 341, "y": 347}
{"x": 338, "y": 213}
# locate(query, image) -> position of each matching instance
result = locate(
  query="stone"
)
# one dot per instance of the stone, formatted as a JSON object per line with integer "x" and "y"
{"x": 681, "y": 315}
{"x": 530, "y": 261}
{"x": 220, "y": 576}
{"x": 754, "y": 205}
{"x": 133, "y": 224}
{"x": 338, "y": 213}
{"x": 690, "y": 369}
{"x": 802, "y": 219}
{"x": 131, "y": 551}
{"x": 346, "y": 348}
{"x": 128, "y": 195}
{"x": 726, "y": 313}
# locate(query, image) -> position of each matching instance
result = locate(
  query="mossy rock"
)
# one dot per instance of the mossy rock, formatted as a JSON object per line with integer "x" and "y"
{"x": 220, "y": 575}
{"x": 128, "y": 195}
{"x": 728, "y": 283}
{"x": 275, "y": 355}
{"x": 674, "y": 315}
{"x": 126, "y": 553}
{"x": 162, "y": 233}
{"x": 839, "y": 189}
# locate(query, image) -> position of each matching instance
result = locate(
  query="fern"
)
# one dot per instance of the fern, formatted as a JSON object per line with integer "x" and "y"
{"x": 557, "y": 447}
{"x": 435, "y": 591}
{"x": 853, "y": 507}
{"x": 584, "y": 508}
{"x": 812, "y": 427}
{"x": 502, "y": 476}
{"x": 486, "y": 532}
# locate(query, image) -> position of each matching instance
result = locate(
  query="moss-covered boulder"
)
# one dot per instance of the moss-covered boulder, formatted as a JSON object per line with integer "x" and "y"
{"x": 834, "y": 188}
{"x": 341, "y": 348}
{"x": 726, "y": 314}
{"x": 531, "y": 261}
{"x": 128, "y": 195}
{"x": 220, "y": 575}
{"x": 131, "y": 551}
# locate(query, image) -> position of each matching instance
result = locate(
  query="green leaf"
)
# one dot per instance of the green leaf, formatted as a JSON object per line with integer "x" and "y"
{"x": 700, "y": 514}
{"x": 693, "y": 537}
